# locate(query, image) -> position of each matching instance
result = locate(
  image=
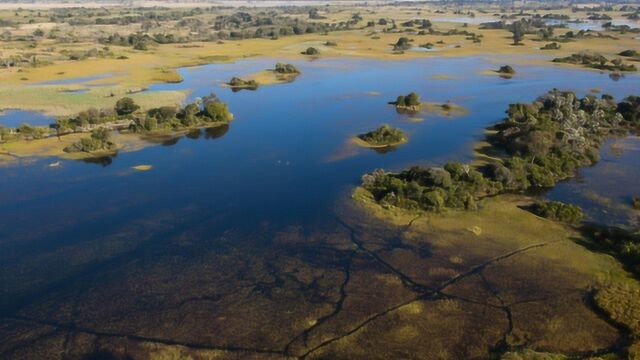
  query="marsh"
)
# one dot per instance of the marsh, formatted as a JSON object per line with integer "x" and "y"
{"x": 251, "y": 238}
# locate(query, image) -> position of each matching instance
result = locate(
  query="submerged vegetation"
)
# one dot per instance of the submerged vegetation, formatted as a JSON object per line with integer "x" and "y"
{"x": 384, "y": 136}
{"x": 542, "y": 143}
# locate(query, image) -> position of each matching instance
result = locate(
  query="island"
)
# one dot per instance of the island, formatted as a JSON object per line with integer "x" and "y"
{"x": 237, "y": 84}
{"x": 384, "y": 136}
{"x": 506, "y": 71}
{"x": 407, "y": 103}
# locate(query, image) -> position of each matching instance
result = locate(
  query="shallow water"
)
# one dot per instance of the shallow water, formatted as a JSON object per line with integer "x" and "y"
{"x": 15, "y": 118}
{"x": 286, "y": 157}
{"x": 595, "y": 25}
{"x": 605, "y": 190}
{"x": 81, "y": 230}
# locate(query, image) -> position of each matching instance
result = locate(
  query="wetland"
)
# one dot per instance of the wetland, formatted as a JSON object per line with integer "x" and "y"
{"x": 244, "y": 224}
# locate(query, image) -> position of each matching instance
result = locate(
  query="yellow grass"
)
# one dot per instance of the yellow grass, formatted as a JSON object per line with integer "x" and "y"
{"x": 356, "y": 140}
{"x": 54, "y": 147}
{"x": 142, "y": 167}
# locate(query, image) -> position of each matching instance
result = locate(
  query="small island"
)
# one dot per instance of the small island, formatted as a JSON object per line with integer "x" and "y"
{"x": 409, "y": 103}
{"x": 286, "y": 69}
{"x": 238, "y": 84}
{"x": 285, "y": 72}
{"x": 506, "y": 71}
{"x": 383, "y": 137}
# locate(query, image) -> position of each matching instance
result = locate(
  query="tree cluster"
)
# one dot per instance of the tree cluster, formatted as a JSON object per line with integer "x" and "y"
{"x": 384, "y": 135}
{"x": 542, "y": 142}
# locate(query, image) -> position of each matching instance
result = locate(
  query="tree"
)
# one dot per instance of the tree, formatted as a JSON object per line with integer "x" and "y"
{"x": 412, "y": 99}
{"x": 518, "y": 32}
{"x": 402, "y": 44}
{"x": 126, "y": 106}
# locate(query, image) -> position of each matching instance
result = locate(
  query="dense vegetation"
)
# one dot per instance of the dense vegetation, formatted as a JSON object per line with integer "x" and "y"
{"x": 623, "y": 244}
{"x": 506, "y": 71}
{"x": 596, "y": 61}
{"x": 206, "y": 112}
{"x": 402, "y": 44}
{"x": 126, "y": 115}
{"x": 99, "y": 141}
{"x": 385, "y": 135}
{"x": 409, "y": 102}
{"x": 282, "y": 68}
{"x": 541, "y": 143}
{"x": 558, "y": 211}
{"x": 238, "y": 84}
{"x": 311, "y": 51}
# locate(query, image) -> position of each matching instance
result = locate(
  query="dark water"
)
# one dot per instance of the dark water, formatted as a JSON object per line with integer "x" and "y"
{"x": 605, "y": 191}
{"x": 284, "y": 160}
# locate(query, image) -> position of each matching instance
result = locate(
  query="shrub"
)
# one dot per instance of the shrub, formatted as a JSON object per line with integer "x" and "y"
{"x": 126, "y": 106}
{"x": 558, "y": 211}
{"x": 384, "y": 135}
{"x": 311, "y": 51}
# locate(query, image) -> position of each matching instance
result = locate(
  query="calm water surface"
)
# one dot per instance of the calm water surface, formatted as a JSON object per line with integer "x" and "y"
{"x": 284, "y": 160}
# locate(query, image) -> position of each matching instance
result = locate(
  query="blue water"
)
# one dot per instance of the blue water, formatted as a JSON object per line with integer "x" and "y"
{"x": 285, "y": 155}
{"x": 15, "y": 118}
{"x": 605, "y": 190}
{"x": 76, "y": 80}
{"x": 284, "y": 161}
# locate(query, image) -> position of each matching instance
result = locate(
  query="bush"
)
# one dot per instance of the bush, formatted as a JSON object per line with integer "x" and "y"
{"x": 384, "y": 135}
{"x": 282, "y": 68}
{"x": 558, "y": 211}
{"x": 126, "y": 106}
{"x": 402, "y": 44}
{"x": 311, "y": 51}
{"x": 99, "y": 141}
{"x": 506, "y": 69}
